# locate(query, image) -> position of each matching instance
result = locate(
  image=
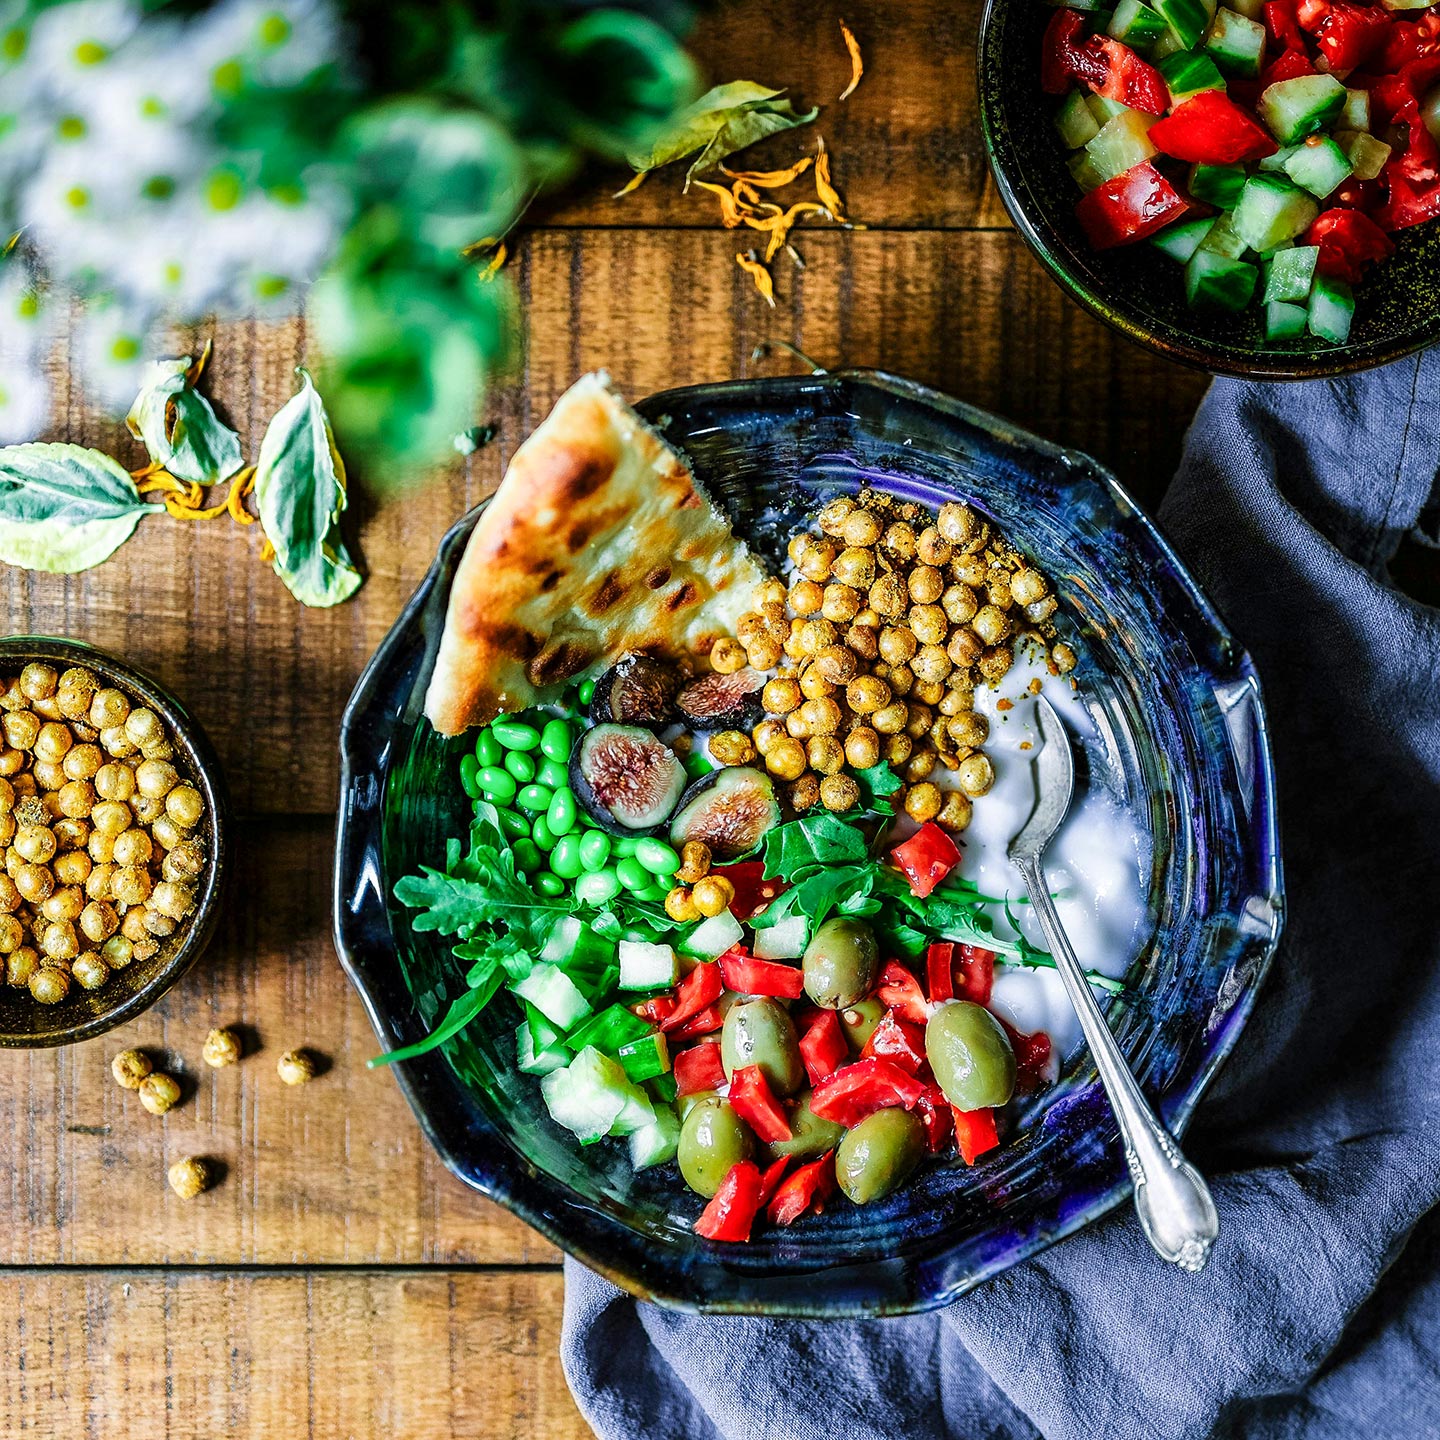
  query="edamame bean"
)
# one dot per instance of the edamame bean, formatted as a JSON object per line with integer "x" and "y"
{"x": 543, "y": 835}
{"x": 520, "y": 765}
{"x": 535, "y": 798}
{"x": 487, "y": 749}
{"x": 585, "y": 692}
{"x": 516, "y": 735}
{"x": 561, "y": 813}
{"x": 515, "y": 826}
{"x": 633, "y": 875}
{"x": 528, "y": 856}
{"x": 625, "y": 845}
{"x": 550, "y": 885}
{"x": 498, "y": 785}
{"x": 595, "y": 850}
{"x": 696, "y": 764}
{"x": 655, "y": 894}
{"x": 565, "y": 858}
{"x": 552, "y": 774}
{"x": 469, "y": 776}
{"x": 656, "y": 856}
{"x": 599, "y": 887}
{"x": 555, "y": 741}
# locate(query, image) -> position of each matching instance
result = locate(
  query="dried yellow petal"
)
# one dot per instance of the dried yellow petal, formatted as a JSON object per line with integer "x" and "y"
{"x": 240, "y": 487}
{"x": 829, "y": 196}
{"x": 635, "y": 182}
{"x": 497, "y": 262}
{"x": 770, "y": 179}
{"x": 731, "y": 213}
{"x": 763, "y": 283}
{"x": 857, "y": 65}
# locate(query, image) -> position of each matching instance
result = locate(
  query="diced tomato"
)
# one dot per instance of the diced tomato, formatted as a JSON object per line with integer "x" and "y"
{"x": 753, "y": 892}
{"x": 1311, "y": 12}
{"x": 771, "y": 1177}
{"x": 730, "y": 1215}
{"x": 657, "y": 1009}
{"x": 748, "y": 976}
{"x": 1356, "y": 194}
{"x": 1058, "y": 50}
{"x": 900, "y": 991}
{"x": 934, "y": 1112}
{"x": 752, "y": 1099}
{"x": 1290, "y": 66}
{"x": 977, "y": 974}
{"x": 899, "y": 1041}
{"x": 823, "y": 1047}
{"x": 1349, "y": 242}
{"x": 700, "y": 988}
{"x": 1350, "y": 34}
{"x": 810, "y": 1185}
{"x": 1129, "y": 79}
{"x": 1409, "y": 202}
{"x": 698, "y": 1068}
{"x": 1128, "y": 208}
{"x": 940, "y": 971}
{"x": 1283, "y": 28}
{"x": 703, "y": 1022}
{"x": 1032, "y": 1058}
{"x": 1211, "y": 129}
{"x": 926, "y": 858}
{"x": 861, "y": 1089}
{"x": 975, "y": 1133}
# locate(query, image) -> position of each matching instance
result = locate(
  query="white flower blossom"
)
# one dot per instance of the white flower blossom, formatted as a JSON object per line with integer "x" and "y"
{"x": 24, "y": 401}
{"x": 262, "y": 42}
{"x": 72, "y": 46}
{"x": 112, "y": 341}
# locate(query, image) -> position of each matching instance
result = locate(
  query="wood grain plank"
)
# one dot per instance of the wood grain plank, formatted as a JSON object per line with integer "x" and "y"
{"x": 968, "y": 312}
{"x": 332, "y": 1172}
{"x": 360, "y": 1355}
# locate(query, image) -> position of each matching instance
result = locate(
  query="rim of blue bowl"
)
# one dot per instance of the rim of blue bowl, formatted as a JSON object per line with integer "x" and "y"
{"x": 1047, "y": 245}
{"x": 478, "y": 1152}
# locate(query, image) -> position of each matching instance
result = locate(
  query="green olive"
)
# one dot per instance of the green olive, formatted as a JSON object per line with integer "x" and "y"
{"x": 761, "y": 1032}
{"x": 810, "y": 1136}
{"x": 970, "y": 1054}
{"x": 712, "y": 1139}
{"x": 841, "y": 963}
{"x": 859, "y": 1020}
{"x": 878, "y": 1155}
{"x": 684, "y": 1104}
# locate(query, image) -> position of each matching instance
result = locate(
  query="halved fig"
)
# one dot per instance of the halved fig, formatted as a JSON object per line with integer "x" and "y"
{"x": 731, "y": 810}
{"x": 625, "y": 779}
{"x": 636, "y": 690}
{"x": 723, "y": 702}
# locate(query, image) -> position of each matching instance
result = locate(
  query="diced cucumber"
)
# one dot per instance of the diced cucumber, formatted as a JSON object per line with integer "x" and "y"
{"x": 1355, "y": 113}
{"x": 1367, "y": 155}
{"x": 1135, "y": 24}
{"x": 785, "y": 941}
{"x": 613, "y": 1027}
{"x": 553, "y": 993}
{"x": 561, "y": 940}
{"x": 1332, "y": 309}
{"x": 1075, "y": 121}
{"x": 644, "y": 966}
{"x": 1122, "y": 143}
{"x": 657, "y": 1142}
{"x": 645, "y": 1058}
{"x": 537, "y": 1062}
{"x": 1168, "y": 44}
{"x": 1221, "y": 239}
{"x": 543, "y": 1032}
{"x": 1104, "y": 109}
{"x": 1218, "y": 185}
{"x": 1430, "y": 112}
{"x": 1250, "y": 9}
{"x": 1290, "y": 273}
{"x": 1319, "y": 166}
{"x": 1181, "y": 240}
{"x": 1236, "y": 44}
{"x": 1404, "y": 4}
{"x": 1086, "y": 5}
{"x": 1275, "y": 164}
{"x": 593, "y": 1097}
{"x": 1187, "y": 19}
{"x": 1296, "y": 108}
{"x": 1271, "y": 211}
{"x": 1189, "y": 73}
{"x": 1082, "y": 167}
{"x": 713, "y": 937}
{"x": 1284, "y": 321}
{"x": 1212, "y": 279}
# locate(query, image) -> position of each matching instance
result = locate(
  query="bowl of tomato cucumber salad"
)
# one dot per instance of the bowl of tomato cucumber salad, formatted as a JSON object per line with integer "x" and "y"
{"x": 1251, "y": 186}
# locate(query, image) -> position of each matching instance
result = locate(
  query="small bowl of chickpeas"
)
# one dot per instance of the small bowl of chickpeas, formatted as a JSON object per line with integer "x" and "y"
{"x": 112, "y": 841}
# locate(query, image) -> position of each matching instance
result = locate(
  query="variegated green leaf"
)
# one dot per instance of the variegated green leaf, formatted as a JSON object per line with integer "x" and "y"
{"x": 179, "y": 429}
{"x": 300, "y": 491}
{"x": 64, "y": 508}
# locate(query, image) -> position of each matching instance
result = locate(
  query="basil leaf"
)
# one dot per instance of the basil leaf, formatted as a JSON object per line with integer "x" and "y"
{"x": 64, "y": 508}
{"x": 300, "y": 491}
{"x": 722, "y": 121}
{"x": 179, "y": 429}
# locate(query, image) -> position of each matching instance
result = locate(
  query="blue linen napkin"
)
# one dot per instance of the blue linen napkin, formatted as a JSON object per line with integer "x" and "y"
{"x": 1319, "y": 1312}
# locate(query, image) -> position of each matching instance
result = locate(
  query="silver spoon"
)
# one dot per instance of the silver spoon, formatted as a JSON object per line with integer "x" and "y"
{"x": 1171, "y": 1197}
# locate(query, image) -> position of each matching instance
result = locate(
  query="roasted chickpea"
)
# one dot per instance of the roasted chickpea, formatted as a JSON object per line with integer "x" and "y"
{"x": 855, "y": 567}
{"x": 157, "y": 923}
{"x": 765, "y": 734}
{"x": 117, "y": 952}
{"x": 1027, "y": 586}
{"x": 839, "y": 793}
{"x": 132, "y": 926}
{"x": 10, "y": 899}
{"x": 837, "y": 664}
{"x": 861, "y": 527}
{"x": 928, "y": 623}
{"x": 806, "y": 597}
{"x": 695, "y": 859}
{"x": 130, "y": 884}
{"x": 100, "y": 847}
{"x": 976, "y": 774}
{"x": 76, "y": 799}
{"x": 38, "y": 680}
{"x": 97, "y": 883}
{"x": 931, "y": 663}
{"x": 82, "y": 762}
{"x": 166, "y": 833}
{"x": 922, "y": 717}
{"x": 969, "y": 570}
{"x": 959, "y": 602}
{"x": 814, "y": 685}
{"x": 868, "y": 617}
{"x": 928, "y": 692}
{"x": 11, "y": 761}
{"x": 115, "y": 742}
{"x": 1041, "y": 610}
{"x": 897, "y": 645}
{"x": 110, "y": 817}
{"x": 923, "y": 801}
{"x": 712, "y": 895}
{"x": 143, "y": 727}
{"x": 900, "y": 678}
{"x": 964, "y": 647}
{"x": 108, "y": 707}
{"x": 22, "y": 729}
{"x": 831, "y": 516}
{"x": 763, "y": 655}
{"x": 933, "y": 548}
{"x": 825, "y": 753}
{"x": 891, "y": 719}
{"x": 49, "y": 774}
{"x": 159, "y": 1092}
{"x": 840, "y": 603}
{"x": 955, "y": 700}
{"x": 816, "y": 635}
{"x": 98, "y": 921}
{"x": 726, "y": 657}
{"x": 889, "y": 596}
{"x": 770, "y": 591}
{"x": 968, "y": 729}
{"x": 957, "y": 523}
{"x": 90, "y": 971}
{"x": 188, "y": 1178}
{"x": 955, "y": 813}
{"x": 990, "y": 624}
{"x": 920, "y": 766}
{"x": 804, "y": 793}
{"x": 183, "y": 861}
{"x": 750, "y": 627}
{"x": 12, "y": 934}
{"x": 797, "y": 546}
{"x": 865, "y": 694}
{"x": 862, "y": 639}
{"x": 994, "y": 664}
{"x": 680, "y": 907}
{"x": 63, "y": 903}
{"x": 899, "y": 542}
{"x": 53, "y": 742}
{"x": 35, "y": 843}
{"x": 781, "y": 696}
{"x": 862, "y": 748}
{"x": 818, "y": 560}
{"x": 997, "y": 590}
{"x": 48, "y": 985}
{"x": 21, "y": 965}
{"x": 822, "y": 716}
{"x": 732, "y": 747}
{"x": 60, "y": 941}
{"x": 146, "y": 809}
{"x": 76, "y": 685}
{"x": 898, "y": 748}
{"x": 1063, "y": 658}
{"x": 172, "y": 900}
{"x": 786, "y": 758}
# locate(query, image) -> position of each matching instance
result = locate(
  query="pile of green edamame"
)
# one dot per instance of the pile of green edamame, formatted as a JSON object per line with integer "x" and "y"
{"x": 520, "y": 765}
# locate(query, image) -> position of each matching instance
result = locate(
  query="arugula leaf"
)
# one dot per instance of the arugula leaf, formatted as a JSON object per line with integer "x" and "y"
{"x": 64, "y": 508}
{"x": 300, "y": 491}
{"x": 179, "y": 429}
{"x": 877, "y": 781}
{"x": 462, "y": 1011}
{"x": 822, "y": 839}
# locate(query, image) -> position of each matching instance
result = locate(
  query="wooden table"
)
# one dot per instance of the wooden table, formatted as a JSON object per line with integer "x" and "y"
{"x": 339, "y": 1282}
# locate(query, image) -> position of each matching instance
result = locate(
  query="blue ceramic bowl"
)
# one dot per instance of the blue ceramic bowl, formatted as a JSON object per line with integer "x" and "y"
{"x": 1178, "y": 705}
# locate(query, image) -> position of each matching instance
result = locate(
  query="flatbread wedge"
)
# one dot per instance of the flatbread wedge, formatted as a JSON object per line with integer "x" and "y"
{"x": 597, "y": 542}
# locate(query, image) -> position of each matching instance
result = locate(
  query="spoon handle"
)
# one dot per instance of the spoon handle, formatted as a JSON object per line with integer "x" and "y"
{"x": 1171, "y": 1197}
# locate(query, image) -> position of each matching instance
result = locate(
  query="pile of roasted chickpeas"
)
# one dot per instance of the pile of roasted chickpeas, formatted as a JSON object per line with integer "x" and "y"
{"x": 98, "y": 832}
{"x": 892, "y": 619}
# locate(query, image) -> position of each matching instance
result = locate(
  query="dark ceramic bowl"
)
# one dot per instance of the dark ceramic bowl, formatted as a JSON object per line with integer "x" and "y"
{"x": 1179, "y": 708}
{"x": 84, "y": 1014}
{"x": 1137, "y": 289}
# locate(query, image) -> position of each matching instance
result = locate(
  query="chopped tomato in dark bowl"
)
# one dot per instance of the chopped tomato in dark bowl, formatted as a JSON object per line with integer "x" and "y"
{"x": 1342, "y": 162}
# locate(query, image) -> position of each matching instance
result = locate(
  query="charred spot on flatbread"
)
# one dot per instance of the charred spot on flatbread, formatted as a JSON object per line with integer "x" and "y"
{"x": 559, "y": 663}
